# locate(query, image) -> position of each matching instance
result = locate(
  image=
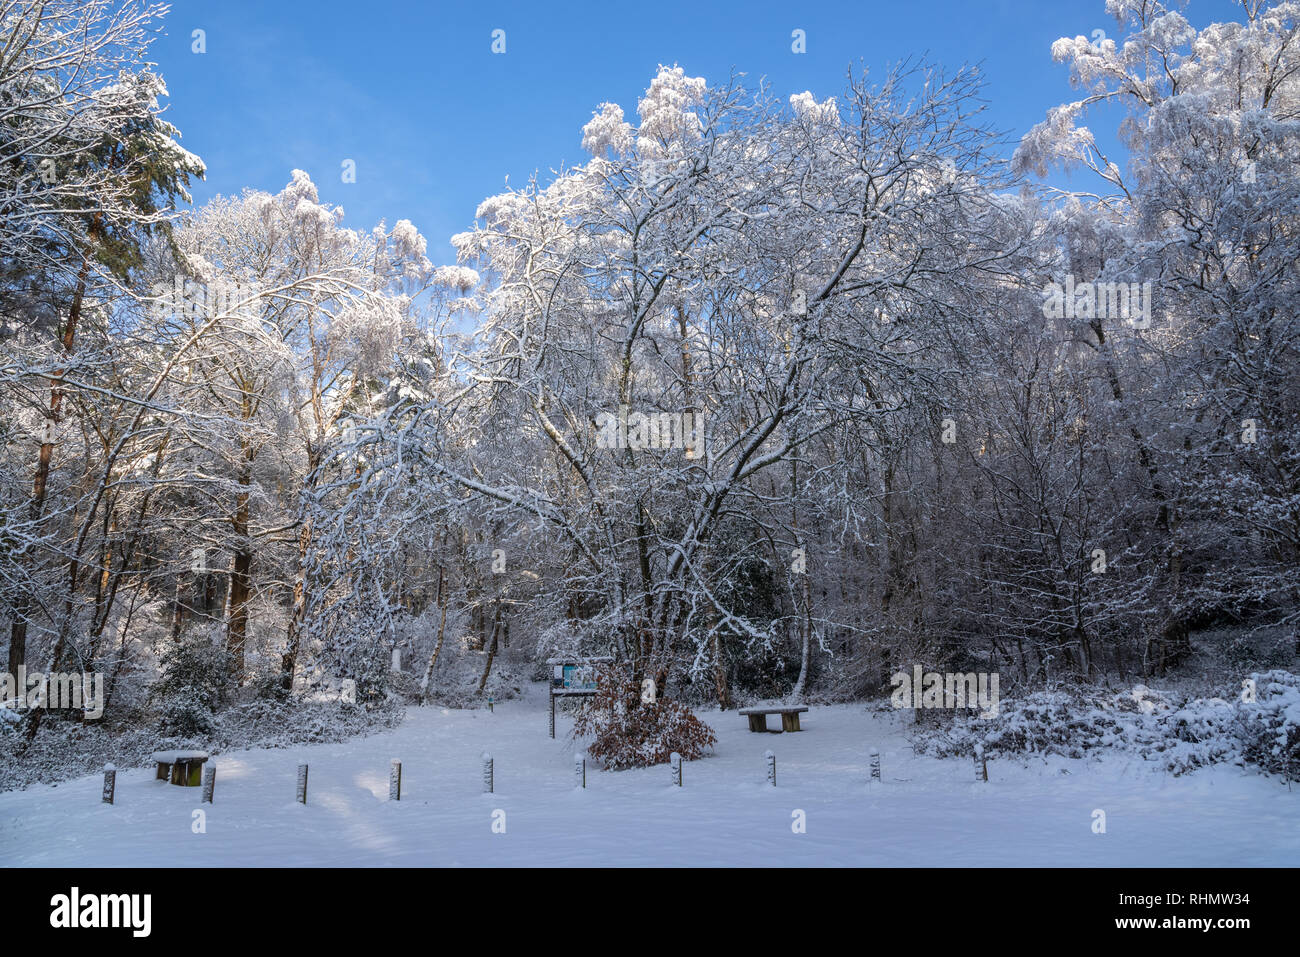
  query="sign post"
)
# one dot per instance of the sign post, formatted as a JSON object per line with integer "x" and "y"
{"x": 572, "y": 678}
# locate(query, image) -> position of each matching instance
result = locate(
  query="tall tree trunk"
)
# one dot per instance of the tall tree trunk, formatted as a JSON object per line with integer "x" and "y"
{"x": 240, "y": 575}
{"x": 289, "y": 660}
{"x": 806, "y": 626}
{"x": 126, "y": 556}
{"x": 437, "y": 648}
{"x": 721, "y": 687}
{"x": 22, "y": 606}
{"x": 492, "y": 648}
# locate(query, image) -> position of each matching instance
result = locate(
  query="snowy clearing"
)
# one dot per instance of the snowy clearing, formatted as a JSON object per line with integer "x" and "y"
{"x": 927, "y": 812}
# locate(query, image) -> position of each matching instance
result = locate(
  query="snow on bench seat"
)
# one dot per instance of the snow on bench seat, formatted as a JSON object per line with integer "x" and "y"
{"x": 776, "y": 709}
{"x": 171, "y": 757}
{"x": 789, "y": 716}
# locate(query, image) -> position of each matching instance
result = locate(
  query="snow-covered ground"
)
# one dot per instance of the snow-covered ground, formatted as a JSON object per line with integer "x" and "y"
{"x": 926, "y": 812}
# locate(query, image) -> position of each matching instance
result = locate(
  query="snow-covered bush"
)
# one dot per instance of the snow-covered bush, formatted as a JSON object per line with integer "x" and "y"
{"x": 1263, "y": 731}
{"x": 628, "y": 732}
{"x": 360, "y": 651}
{"x": 195, "y": 671}
{"x": 1178, "y": 732}
{"x": 1268, "y": 729}
{"x": 1195, "y": 735}
{"x": 69, "y": 749}
{"x": 268, "y": 722}
{"x": 1066, "y": 722}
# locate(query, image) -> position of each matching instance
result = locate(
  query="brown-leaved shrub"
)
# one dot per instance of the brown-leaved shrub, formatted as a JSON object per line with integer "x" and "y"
{"x": 631, "y": 733}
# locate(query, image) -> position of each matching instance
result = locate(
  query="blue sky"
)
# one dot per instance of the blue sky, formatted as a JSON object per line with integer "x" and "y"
{"x": 436, "y": 122}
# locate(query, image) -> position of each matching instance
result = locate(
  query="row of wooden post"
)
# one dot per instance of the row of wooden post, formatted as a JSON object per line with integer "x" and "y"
{"x": 579, "y": 773}
{"x": 394, "y": 781}
{"x": 981, "y": 764}
{"x": 675, "y": 767}
{"x": 209, "y": 783}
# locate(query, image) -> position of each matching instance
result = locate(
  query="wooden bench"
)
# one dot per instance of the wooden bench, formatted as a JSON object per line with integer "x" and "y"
{"x": 789, "y": 716}
{"x": 180, "y": 767}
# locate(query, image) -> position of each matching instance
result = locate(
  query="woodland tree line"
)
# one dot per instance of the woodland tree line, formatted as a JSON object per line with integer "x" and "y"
{"x": 253, "y": 428}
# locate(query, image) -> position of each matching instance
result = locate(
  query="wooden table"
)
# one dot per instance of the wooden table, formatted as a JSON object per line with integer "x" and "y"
{"x": 181, "y": 767}
{"x": 789, "y": 716}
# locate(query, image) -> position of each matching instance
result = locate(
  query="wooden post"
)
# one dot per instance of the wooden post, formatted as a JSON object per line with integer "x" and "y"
{"x": 395, "y": 781}
{"x": 771, "y": 768}
{"x": 981, "y": 765}
{"x": 209, "y": 783}
{"x": 875, "y": 764}
{"x": 580, "y": 770}
{"x": 487, "y": 773}
{"x": 110, "y": 783}
{"x": 302, "y": 784}
{"x": 675, "y": 765}
{"x": 552, "y": 697}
